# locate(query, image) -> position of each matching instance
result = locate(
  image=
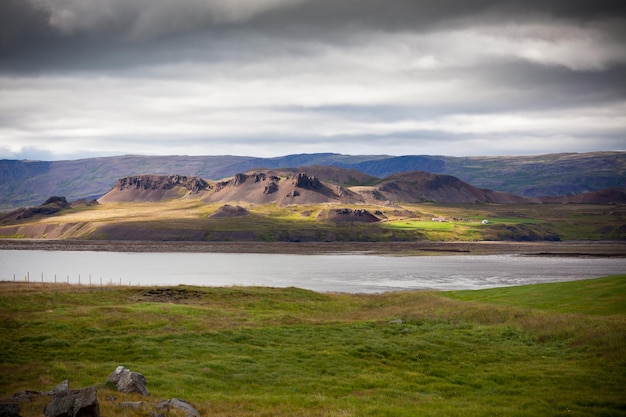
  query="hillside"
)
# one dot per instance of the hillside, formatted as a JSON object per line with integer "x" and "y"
{"x": 27, "y": 183}
{"x": 288, "y": 188}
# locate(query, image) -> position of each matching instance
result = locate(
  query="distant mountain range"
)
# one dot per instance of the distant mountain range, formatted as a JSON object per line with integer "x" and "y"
{"x": 28, "y": 183}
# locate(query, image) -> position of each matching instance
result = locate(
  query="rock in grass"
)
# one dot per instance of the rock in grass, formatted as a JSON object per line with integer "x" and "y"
{"x": 127, "y": 381}
{"x": 9, "y": 410}
{"x": 132, "y": 404}
{"x": 60, "y": 388}
{"x": 74, "y": 403}
{"x": 180, "y": 405}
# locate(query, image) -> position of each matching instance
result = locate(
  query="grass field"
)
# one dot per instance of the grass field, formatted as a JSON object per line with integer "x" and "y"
{"x": 549, "y": 350}
{"x": 190, "y": 220}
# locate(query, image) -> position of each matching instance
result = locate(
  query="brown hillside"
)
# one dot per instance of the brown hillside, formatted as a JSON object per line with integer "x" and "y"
{"x": 606, "y": 196}
{"x": 417, "y": 187}
{"x": 52, "y": 205}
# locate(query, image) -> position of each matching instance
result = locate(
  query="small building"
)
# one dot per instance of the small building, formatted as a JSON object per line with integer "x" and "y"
{"x": 439, "y": 219}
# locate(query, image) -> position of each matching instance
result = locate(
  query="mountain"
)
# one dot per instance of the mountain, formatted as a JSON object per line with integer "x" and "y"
{"x": 418, "y": 187}
{"x": 289, "y": 187}
{"x": 254, "y": 187}
{"x": 27, "y": 183}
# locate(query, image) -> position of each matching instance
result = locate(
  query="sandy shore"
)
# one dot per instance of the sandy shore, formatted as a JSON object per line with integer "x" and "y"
{"x": 568, "y": 248}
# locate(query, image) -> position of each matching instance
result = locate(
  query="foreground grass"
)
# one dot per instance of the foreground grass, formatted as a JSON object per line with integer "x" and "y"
{"x": 521, "y": 351}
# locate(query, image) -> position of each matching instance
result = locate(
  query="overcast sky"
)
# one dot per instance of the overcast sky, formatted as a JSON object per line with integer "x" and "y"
{"x": 82, "y": 78}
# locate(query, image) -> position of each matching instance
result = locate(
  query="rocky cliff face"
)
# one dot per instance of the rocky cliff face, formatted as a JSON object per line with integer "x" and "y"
{"x": 162, "y": 182}
{"x": 308, "y": 182}
{"x": 154, "y": 188}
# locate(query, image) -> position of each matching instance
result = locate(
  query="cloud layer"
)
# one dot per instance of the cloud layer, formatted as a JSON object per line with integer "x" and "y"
{"x": 270, "y": 77}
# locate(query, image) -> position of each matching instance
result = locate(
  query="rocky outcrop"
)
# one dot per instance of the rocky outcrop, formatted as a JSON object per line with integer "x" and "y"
{"x": 307, "y": 182}
{"x": 74, "y": 403}
{"x": 127, "y": 381}
{"x": 350, "y": 215}
{"x": 228, "y": 211}
{"x": 52, "y": 205}
{"x": 271, "y": 188}
{"x": 162, "y": 182}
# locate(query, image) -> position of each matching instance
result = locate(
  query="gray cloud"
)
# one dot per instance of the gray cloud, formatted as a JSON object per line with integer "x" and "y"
{"x": 275, "y": 76}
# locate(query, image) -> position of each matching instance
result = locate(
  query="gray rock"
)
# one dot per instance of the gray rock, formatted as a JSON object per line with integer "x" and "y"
{"x": 74, "y": 403}
{"x": 62, "y": 387}
{"x": 180, "y": 405}
{"x": 127, "y": 381}
{"x": 26, "y": 396}
{"x": 131, "y": 404}
{"x": 9, "y": 410}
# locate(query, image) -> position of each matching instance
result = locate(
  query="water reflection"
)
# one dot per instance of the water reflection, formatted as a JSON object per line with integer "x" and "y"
{"x": 326, "y": 273}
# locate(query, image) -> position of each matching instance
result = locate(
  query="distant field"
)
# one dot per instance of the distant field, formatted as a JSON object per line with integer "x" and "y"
{"x": 555, "y": 349}
{"x": 190, "y": 220}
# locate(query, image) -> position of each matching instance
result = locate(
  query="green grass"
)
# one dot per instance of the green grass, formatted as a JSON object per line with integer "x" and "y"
{"x": 557, "y": 349}
{"x": 602, "y": 296}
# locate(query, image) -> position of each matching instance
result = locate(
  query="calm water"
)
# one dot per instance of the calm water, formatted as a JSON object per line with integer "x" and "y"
{"x": 326, "y": 273}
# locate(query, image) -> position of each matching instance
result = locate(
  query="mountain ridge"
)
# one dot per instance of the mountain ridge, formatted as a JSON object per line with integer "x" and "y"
{"x": 27, "y": 183}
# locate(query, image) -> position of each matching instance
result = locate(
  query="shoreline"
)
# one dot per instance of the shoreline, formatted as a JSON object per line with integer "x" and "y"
{"x": 565, "y": 248}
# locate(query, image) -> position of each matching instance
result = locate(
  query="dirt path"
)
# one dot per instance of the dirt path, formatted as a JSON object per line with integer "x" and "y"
{"x": 568, "y": 248}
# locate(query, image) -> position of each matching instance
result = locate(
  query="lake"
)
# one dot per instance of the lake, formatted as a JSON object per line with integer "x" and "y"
{"x": 350, "y": 272}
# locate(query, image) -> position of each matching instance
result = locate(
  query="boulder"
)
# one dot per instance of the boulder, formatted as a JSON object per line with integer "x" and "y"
{"x": 180, "y": 405}
{"x": 74, "y": 403}
{"x": 26, "y": 396}
{"x": 9, "y": 410}
{"x": 127, "y": 381}
{"x": 64, "y": 386}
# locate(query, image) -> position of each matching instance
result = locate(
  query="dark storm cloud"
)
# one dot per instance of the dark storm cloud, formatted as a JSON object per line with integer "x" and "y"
{"x": 87, "y": 28}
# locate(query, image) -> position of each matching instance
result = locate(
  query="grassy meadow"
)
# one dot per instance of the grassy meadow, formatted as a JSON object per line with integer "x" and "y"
{"x": 549, "y": 350}
{"x": 186, "y": 219}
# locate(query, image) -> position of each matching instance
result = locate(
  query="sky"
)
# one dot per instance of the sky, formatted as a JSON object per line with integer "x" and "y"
{"x": 87, "y": 78}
